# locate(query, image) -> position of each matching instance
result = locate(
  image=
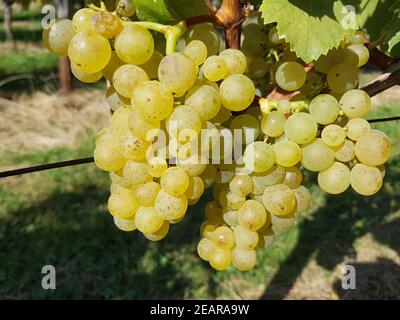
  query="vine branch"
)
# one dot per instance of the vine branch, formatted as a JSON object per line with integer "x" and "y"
{"x": 385, "y": 81}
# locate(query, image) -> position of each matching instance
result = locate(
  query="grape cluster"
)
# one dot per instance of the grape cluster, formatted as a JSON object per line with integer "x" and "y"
{"x": 187, "y": 121}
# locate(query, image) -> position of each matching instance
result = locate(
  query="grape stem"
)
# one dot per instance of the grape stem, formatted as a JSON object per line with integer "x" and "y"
{"x": 172, "y": 33}
{"x": 390, "y": 78}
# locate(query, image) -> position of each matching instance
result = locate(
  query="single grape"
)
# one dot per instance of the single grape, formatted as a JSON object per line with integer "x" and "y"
{"x": 205, "y": 249}
{"x": 123, "y": 224}
{"x": 279, "y": 199}
{"x": 293, "y": 177}
{"x": 153, "y": 100}
{"x": 122, "y": 205}
{"x": 271, "y": 177}
{"x": 246, "y": 129}
{"x": 132, "y": 147}
{"x": 183, "y": 121}
{"x": 107, "y": 24}
{"x": 82, "y": 20}
{"x": 328, "y": 61}
{"x": 290, "y": 76}
{"x": 197, "y": 51}
{"x": 245, "y": 238}
{"x": 287, "y": 153}
{"x": 273, "y": 123}
{"x": 177, "y": 72}
{"x": 355, "y": 103}
{"x": 207, "y": 34}
{"x": 215, "y": 68}
{"x": 357, "y": 128}
{"x": 316, "y": 156}
{"x": 244, "y": 260}
{"x": 231, "y": 218}
{"x": 136, "y": 172}
{"x": 303, "y": 198}
{"x": 195, "y": 189}
{"x": 333, "y": 135}
{"x": 237, "y": 92}
{"x": 373, "y": 149}
{"x": 157, "y": 166}
{"x": 342, "y": 77}
{"x": 108, "y": 158}
{"x": 134, "y": 45}
{"x": 114, "y": 100}
{"x": 147, "y": 220}
{"x": 175, "y": 181}
{"x": 252, "y": 215}
{"x": 366, "y": 180}
{"x": 282, "y": 224}
{"x": 84, "y": 76}
{"x": 89, "y": 51}
{"x": 284, "y": 107}
{"x": 223, "y": 237}
{"x": 335, "y": 179}
{"x": 127, "y": 78}
{"x": 235, "y": 61}
{"x": 221, "y": 259}
{"x": 301, "y": 128}
{"x": 169, "y": 207}
{"x": 159, "y": 234}
{"x": 145, "y": 194}
{"x": 357, "y": 55}
{"x": 58, "y": 37}
{"x": 259, "y": 157}
{"x": 235, "y": 200}
{"x": 273, "y": 36}
{"x": 241, "y": 184}
{"x": 204, "y": 100}
{"x": 140, "y": 126}
{"x": 345, "y": 153}
{"x": 324, "y": 108}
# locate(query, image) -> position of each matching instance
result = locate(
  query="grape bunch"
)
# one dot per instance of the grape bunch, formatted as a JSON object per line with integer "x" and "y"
{"x": 188, "y": 120}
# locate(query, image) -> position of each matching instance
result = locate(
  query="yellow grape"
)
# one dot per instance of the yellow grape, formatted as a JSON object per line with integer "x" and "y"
{"x": 84, "y": 76}
{"x": 243, "y": 259}
{"x": 215, "y": 68}
{"x": 303, "y": 198}
{"x": 147, "y": 220}
{"x": 107, "y": 24}
{"x": 157, "y": 166}
{"x": 204, "y": 100}
{"x": 145, "y": 194}
{"x": 259, "y": 157}
{"x": 174, "y": 181}
{"x": 122, "y": 205}
{"x": 132, "y": 147}
{"x": 169, "y": 207}
{"x": 245, "y": 238}
{"x": 197, "y": 51}
{"x": 273, "y": 123}
{"x": 366, "y": 180}
{"x": 82, "y": 20}
{"x": 345, "y": 153}
{"x": 293, "y": 177}
{"x": 279, "y": 199}
{"x": 205, "y": 249}
{"x": 333, "y": 135}
{"x": 355, "y": 103}
{"x": 301, "y": 128}
{"x": 237, "y": 92}
{"x": 235, "y": 60}
{"x": 290, "y": 76}
{"x": 207, "y": 34}
{"x": 119, "y": 120}
{"x": 287, "y": 153}
{"x": 127, "y": 78}
{"x": 324, "y": 108}
{"x": 342, "y": 77}
{"x": 195, "y": 189}
{"x": 252, "y": 215}
{"x": 316, "y": 156}
{"x": 357, "y": 128}
{"x": 123, "y": 224}
{"x": 335, "y": 179}
{"x": 159, "y": 234}
{"x": 140, "y": 126}
{"x": 58, "y": 37}
{"x": 221, "y": 259}
{"x": 136, "y": 172}
{"x": 223, "y": 237}
{"x": 241, "y": 184}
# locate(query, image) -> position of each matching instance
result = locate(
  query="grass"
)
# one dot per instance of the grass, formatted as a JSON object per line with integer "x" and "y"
{"x": 30, "y": 31}
{"x": 23, "y": 15}
{"x": 59, "y": 217}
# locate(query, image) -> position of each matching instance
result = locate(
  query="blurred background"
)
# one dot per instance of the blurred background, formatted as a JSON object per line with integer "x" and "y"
{"x": 59, "y": 217}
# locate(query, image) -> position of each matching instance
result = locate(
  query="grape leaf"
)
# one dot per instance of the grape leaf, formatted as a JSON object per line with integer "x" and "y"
{"x": 153, "y": 10}
{"x": 312, "y": 27}
{"x": 183, "y": 9}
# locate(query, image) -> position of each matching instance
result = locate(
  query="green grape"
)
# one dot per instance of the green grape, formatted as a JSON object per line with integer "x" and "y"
{"x": 244, "y": 260}
{"x": 235, "y": 200}
{"x": 342, "y": 77}
{"x": 271, "y": 177}
{"x": 316, "y": 156}
{"x": 126, "y": 8}
{"x": 245, "y": 238}
{"x": 114, "y": 100}
{"x": 241, "y": 184}
{"x": 333, "y": 135}
{"x": 258, "y": 68}
{"x": 248, "y": 128}
{"x": 136, "y": 172}
{"x": 123, "y": 224}
{"x": 324, "y": 108}
{"x": 279, "y": 199}
{"x": 197, "y": 51}
{"x": 252, "y": 215}
{"x": 107, "y": 24}
{"x": 223, "y": 237}
{"x": 84, "y": 76}
{"x": 287, "y": 153}
{"x": 231, "y": 218}
{"x": 209, "y": 175}
{"x": 195, "y": 189}
{"x": 82, "y": 20}
{"x": 193, "y": 166}
{"x": 259, "y": 157}
{"x": 273, "y": 36}
{"x": 328, "y": 61}
{"x": 175, "y": 181}
{"x": 151, "y": 66}
{"x": 147, "y": 220}
{"x": 89, "y": 51}
{"x": 357, "y": 55}
{"x": 153, "y": 100}
{"x": 301, "y": 128}
{"x": 303, "y": 198}
{"x": 183, "y": 120}
{"x": 140, "y": 126}
{"x": 366, "y": 180}
{"x": 358, "y": 38}
{"x": 159, "y": 234}
{"x": 145, "y": 194}
{"x": 157, "y": 166}
{"x": 373, "y": 149}
{"x": 58, "y": 37}
{"x": 345, "y": 153}
{"x": 134, "y": 45}
{"x": 177, "y": 72}
{"x": 357, "y": 128}
{"x": 119, "y": 120}
{"x": 290, "y": 76}
{"x": 114, "y": 63}
{"x": 169, "y": 207}
{"x": 235, "y": 61}
{"x": 237, "y": 92}
{"x": 221, "y": 259}
{"x": 223, "y": 115}
{"x": 355, "y": 103}
{"x": 205, "y": 249}
{"x": 205, "y": 100}
{"x": 122, "y": 205}
{"x": 281, "y": 224}
{"x": 273, "y": 123}
{"x": 215, "y": 68}
{"x": 293, "y": 177}
{"x": 127, "y": 78}
{"x": 284, "y": 107}
{"x": 108, "y": 158}
{"x": 207, "y": 34}
{"x": 335, "y": 179}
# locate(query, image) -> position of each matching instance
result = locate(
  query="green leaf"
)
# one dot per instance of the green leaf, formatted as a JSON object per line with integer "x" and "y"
{"x": 183, "y": 9}
{"x": 153, "y": 10}
{"x": 312, "y": 27}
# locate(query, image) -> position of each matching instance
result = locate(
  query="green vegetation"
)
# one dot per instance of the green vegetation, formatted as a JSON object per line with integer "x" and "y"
{"x": 24, "y": 15}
